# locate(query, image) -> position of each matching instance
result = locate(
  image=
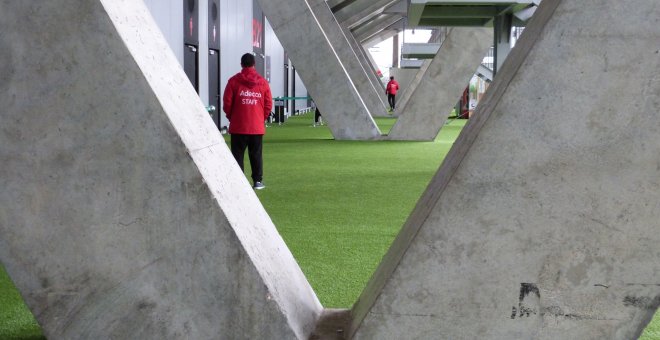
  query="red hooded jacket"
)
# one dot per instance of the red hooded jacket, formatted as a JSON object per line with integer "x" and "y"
{"x": 392, "y": 87}
{"x": 247, "y": 102}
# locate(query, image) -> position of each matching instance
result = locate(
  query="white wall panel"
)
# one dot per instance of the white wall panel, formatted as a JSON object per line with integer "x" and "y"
{"x": 235, "y": 36}
{"x": 169, "y": 18}
{"x": 275, "y": 51}
{"x": 301, "y": 91}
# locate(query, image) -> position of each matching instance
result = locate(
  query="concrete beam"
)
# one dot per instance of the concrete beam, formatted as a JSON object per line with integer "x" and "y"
{"x": 364, "y": 58}
{"x": 123, "y": 213}
{"x": 399, "y": 7}
{"x": 422, "y": 67}
{"x": 339, "y": 5}
{"x": 405, "y": 77}
{"x": 378, "y": 38}
{"x": 502, "y": 26}
{"x": 461, "y": 12}
{"x": 485, "y": 73}
{"x": 420, "y": 50}
{"x": 413, "y": 63}
{"x": 526, "y": 14}
{"x": 455, "y": 22}
{"x": 361, "y": 11}
{"x": 539, "y": 225}
{"x": 441, "y": 84}
{"x": 326, "y": 78}
{"x": 377, "y": 25}
{"x": 333, "y": 3}
{"x": 437, "y": 37}
{"x": 348, "y": 57}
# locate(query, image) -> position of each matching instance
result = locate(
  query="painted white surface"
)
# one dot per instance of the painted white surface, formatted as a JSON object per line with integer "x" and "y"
{"x": 168, "y": 16}
{"x": 275, "y": 51}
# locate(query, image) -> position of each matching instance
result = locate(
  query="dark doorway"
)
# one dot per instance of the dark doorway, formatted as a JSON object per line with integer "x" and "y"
{"x": 214, "y": 86}
{"x": 258, "y": 39}
{"x": 191, "y": 41}
{"x": 190, "y": 65}
{"x": 286, "y": 81}
{"x": 293, "y": 89}
{"x": 214, "y": 61}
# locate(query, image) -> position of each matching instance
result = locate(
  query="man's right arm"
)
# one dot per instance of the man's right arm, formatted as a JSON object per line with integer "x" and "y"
{"x": 227, "y": 99}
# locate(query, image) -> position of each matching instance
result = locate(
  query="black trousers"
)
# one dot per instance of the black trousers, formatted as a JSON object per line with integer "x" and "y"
{"x": 254, "y": 145}
{"x": 317, "y": 115}
{"x": 391, "y": 99}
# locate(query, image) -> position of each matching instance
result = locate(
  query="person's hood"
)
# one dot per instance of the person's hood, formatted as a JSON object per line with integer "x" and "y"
{"x": 248, "y": 76}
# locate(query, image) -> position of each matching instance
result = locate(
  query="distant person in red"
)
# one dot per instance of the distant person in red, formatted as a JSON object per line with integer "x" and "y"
{"x": 390, "y": 90}
{"x": 247, "y": 102}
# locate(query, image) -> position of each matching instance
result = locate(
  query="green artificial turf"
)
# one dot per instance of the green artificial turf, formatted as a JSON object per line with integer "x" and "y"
{"x": 337, "y": 204}
{"x": 652, "y": 331}
{"x": 16, "y": 321}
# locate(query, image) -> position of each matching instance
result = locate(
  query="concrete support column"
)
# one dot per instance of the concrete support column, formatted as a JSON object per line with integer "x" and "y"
{"x": 309, "y": 44}
{"x": 441, "y": 84}
{"x": 348, "y": 57}
{"x": 364, "y": 57}
{"x": 123, "y": 214}
{"x": 403, "y": 99}
{"x": 395, "y": 50}
{"x": 540, "y": 225}
{"x": 502, "y": 25}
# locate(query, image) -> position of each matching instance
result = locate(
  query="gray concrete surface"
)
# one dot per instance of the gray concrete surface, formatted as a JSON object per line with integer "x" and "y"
{"x": 366, "y": 59}
{"x": 542, "y": 222}
{"x": 403, "y": 98}
{"x": 405, "y": 77}
{"x": 348, "y": 57}
{"x": 359, "y": 12}
{"x": 320, "y": 68}
{"x": 369, "y": 68}
{"x": 122, "y": 212}
{"x": 441, "y": 84}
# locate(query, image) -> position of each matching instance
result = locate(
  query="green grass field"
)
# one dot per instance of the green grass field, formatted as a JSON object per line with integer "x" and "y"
{"x": 337, "y": 204}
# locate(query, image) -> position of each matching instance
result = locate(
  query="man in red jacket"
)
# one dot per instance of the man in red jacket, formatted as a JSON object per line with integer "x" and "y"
{"x": 390, "y": 90}
{"x": 247, "y": 102}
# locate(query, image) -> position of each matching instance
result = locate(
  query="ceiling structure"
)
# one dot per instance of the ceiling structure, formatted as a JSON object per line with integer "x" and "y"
{"x": 373, "y": 21}
{"x": 470, "y": 13}
{"x": 376, "y": 20}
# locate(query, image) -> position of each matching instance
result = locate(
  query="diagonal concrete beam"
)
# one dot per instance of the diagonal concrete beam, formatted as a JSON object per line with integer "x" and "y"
{"x": 441, "y": 84}
{"x": 438, "y": 36}
{"x": 326, "y": 78}
{"x": 334, "y": 3}
{"x": 402, "y": 100}
{"x": 122, "y": 212}
{"x": 364, "y": 58}
{"x": 361, "y": 11}
{"x": 338, "y": 5}
{"x": 378, "y": 38}
{"x": 377, "y": 25}
{"x": 542, "y": 222}
{"x": 348, "y": 57}
{"x": 399, "y": 7}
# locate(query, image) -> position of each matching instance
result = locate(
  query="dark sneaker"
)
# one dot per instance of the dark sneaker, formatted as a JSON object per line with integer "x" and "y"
{"x": 259, "y": 186}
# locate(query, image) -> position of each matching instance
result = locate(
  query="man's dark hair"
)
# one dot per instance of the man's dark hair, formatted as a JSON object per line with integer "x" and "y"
{"x": 391, "y": 77}
{"x": 247, "y": 60}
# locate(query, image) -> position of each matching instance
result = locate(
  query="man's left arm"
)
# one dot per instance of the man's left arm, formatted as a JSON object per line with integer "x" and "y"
{"x": 268, "y": 102}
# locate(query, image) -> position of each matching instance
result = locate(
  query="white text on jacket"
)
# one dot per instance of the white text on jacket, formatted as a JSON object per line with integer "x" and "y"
{"x": 251, "y": 97}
